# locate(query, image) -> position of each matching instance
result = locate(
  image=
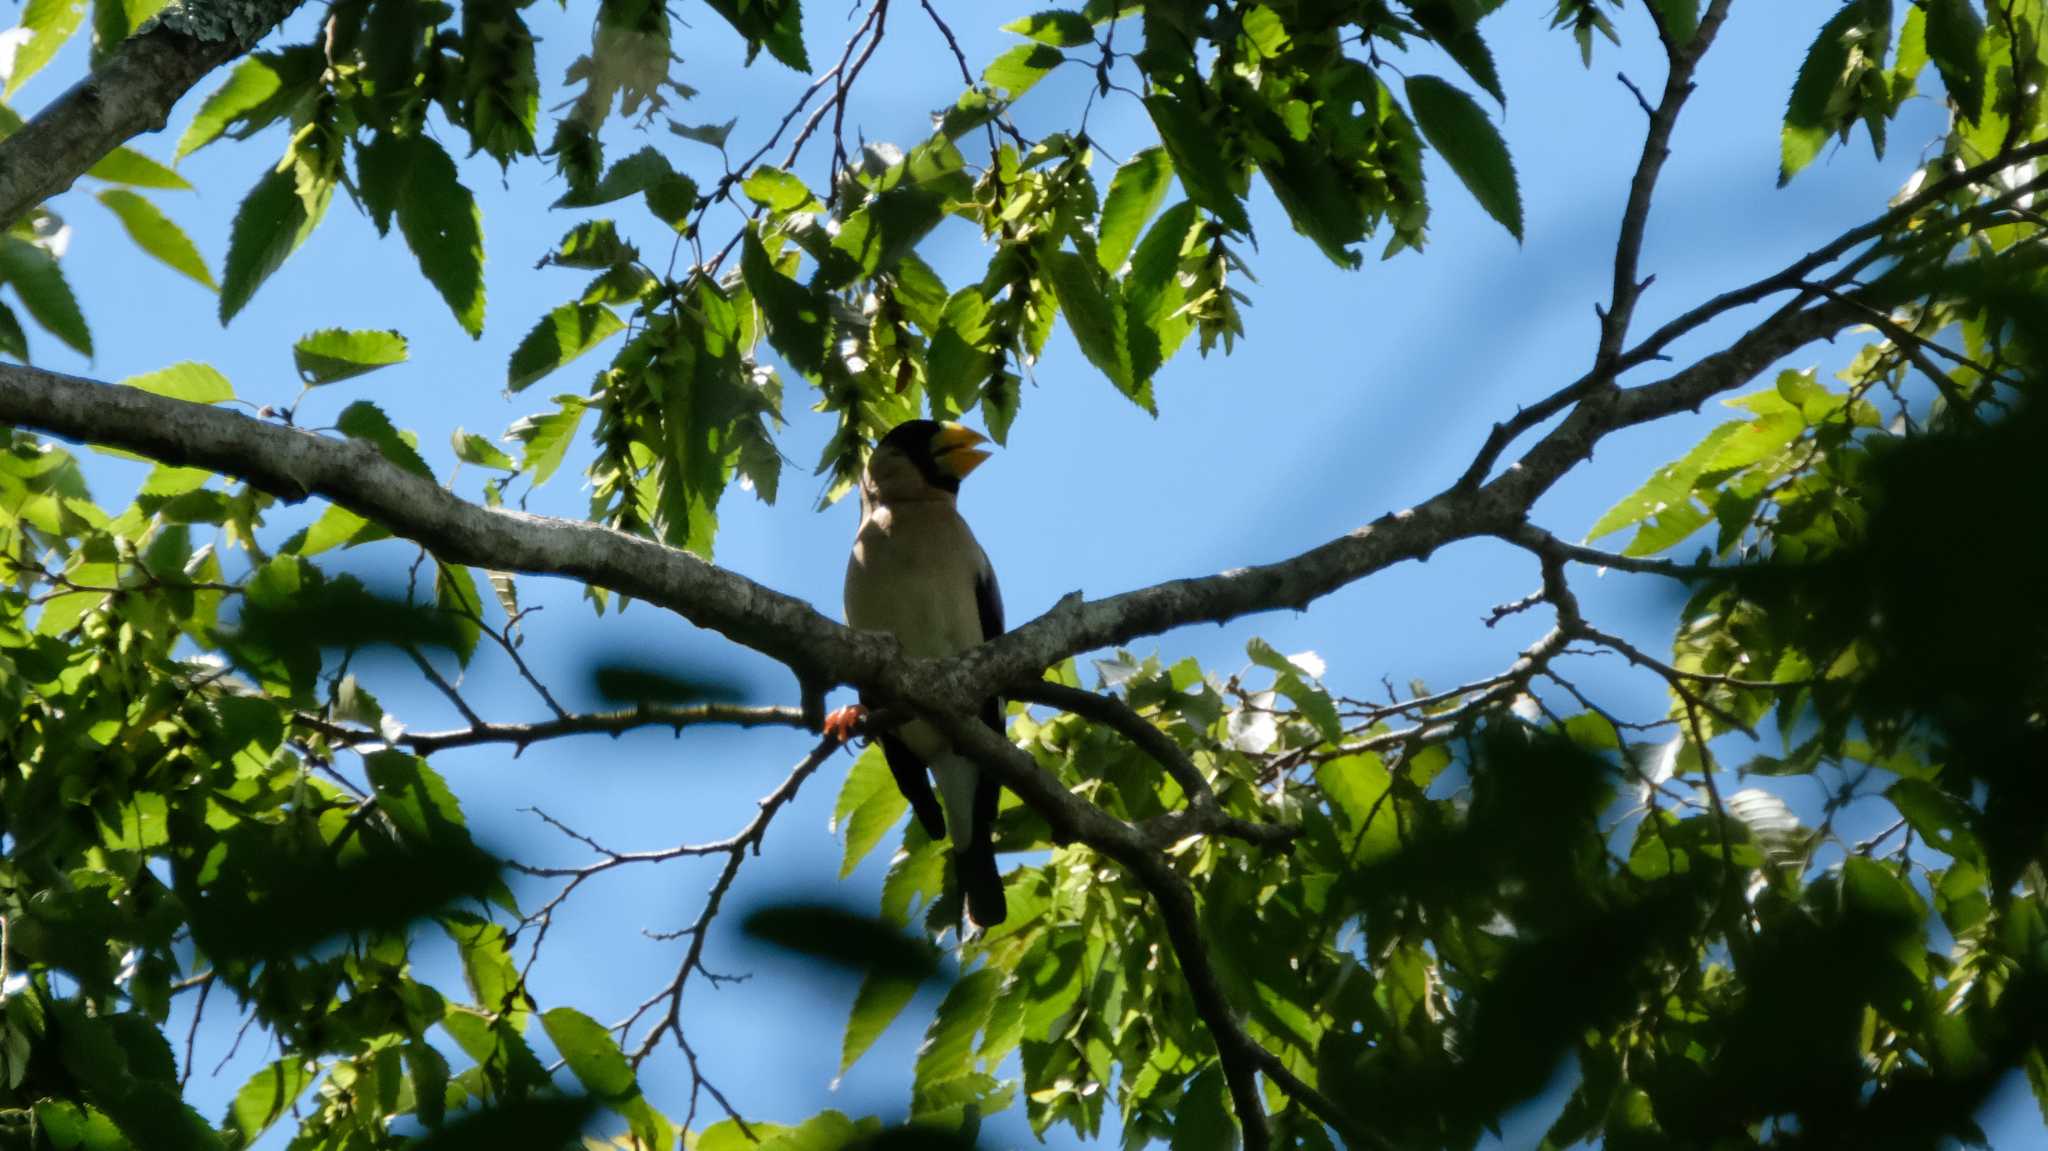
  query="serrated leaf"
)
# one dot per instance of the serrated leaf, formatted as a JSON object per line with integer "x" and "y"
{"x": 546, "y": 438}
{"x": 776, "y": 25}
{"x": 1459, "y": 129}
{"x": 445, "y": 230}
{"x": 594, "y": 244}
{"x": 333, "y": 354}
{"x": 712, "y": 134}
{"x": 799, "y": 323}
{"x": 154, "y": 233}
{"x": 471, "y": 448}
{"x": 646, "y": 172}
{"x": 1096, "y": 317}
{"x": 429, "y": 1070}
{"x": 50, "y": 23}
{"x": 760, "y": 462}
{"x": 270, "y": 225}
{"x": 869, "y": 805}
{"x": 1135, "y": 192}
{"x": 194, "y": 383}
{"x": 590, "y": 1051}
{"x": 267, "y": 1096}
{"x": 561, "y": 336}
{"x": 776, "y": 190}
{"x": 1153, "y": 292}
{"x": 1807, "y": 123}
{"x": 1954, "y": 31}
{"x": 128, "y": 166}
{"x": 1454, "y": 25}
{"x": 336, "y": 526}
{"x": 364, "y": 420}
{"x": 948, "y": 1050}
{"x": 13, "y": 341}
{"x": 1197, "y": 161}
{"x": 1056, "y": 27}
{"x": 1018, "y": 70}
{"x": 253, "y": 82}
{"x": 876, "y": 1005}
{"x": 40, "y": 284}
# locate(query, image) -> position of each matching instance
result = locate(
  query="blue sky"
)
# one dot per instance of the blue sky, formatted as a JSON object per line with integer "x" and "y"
{"x": 1352, "y": 394}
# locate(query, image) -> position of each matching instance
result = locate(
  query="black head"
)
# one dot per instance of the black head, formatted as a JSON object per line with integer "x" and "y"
{"x": 942, "y": 453}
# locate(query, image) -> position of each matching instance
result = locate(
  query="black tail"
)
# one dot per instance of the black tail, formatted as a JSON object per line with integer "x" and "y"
{"x": 982, "y": 883}
{"x": 980, "y": 880}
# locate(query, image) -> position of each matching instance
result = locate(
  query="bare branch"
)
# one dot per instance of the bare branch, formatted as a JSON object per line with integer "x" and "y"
{"x": 521, "y": 735}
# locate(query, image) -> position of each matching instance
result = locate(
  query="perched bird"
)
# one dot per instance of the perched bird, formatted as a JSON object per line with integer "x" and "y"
{"x": 918, "y": 574}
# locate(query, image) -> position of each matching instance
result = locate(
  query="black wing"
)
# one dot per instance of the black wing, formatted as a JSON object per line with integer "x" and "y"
{"x": 988, "y": 600}
{"x": 915, "y": 784}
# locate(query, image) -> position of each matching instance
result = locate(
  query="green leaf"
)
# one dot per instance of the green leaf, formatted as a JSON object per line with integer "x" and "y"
{"x": 1202, "y": 1121}
{"x": 959, "y": 358}
{"x": 471, "y": 448}
{"x": 270, "y": 225}
{"x": 1807, "y": 120}
{"x": 1954, "y": 31}
{"x": 40, "y": 284}
{"x": 337, "y": 526}
{"x": 1454, "y": 25}
{"x": 594, "y": 244}
{"x": 429, "y": 1071}
{"x": 13, "y": 341}
{"x": 1058, "y": 28}
{"x": 253, "y": 82}
{"x": 364, "y": 420}
{"x": 776, "y": 190}
{"x": 1096, "y": 317}
{"x": 334, "y": 354}
{"x": 1153, "y": 292}
{"x": 799, "y": 322}
{"x": 443, "y": 226}
{"x": 1458, "y": 128}
{"x": 712, "y": 134}
{"x": 487, "y": 965}
{"x": 1018, "y": 70}
{"x": 154, "y": 233}
{"x": 597, "y": 1062}
{"x": 1135, "y": 192}
{"x": 546, "y": 437}
{"x": 948, "y": 1050}
{"x": 1197, "y": 161}
{"x": 561, "y": 336}
{"x": 267, "y": 1097}
{"x": 1681, "y": 19}
{"x": 128, "y": 166}
{"x": 774, "y": 24}
{"x": 50, "y": 23}
{"x": 876, "y": 1005}
{"x": 869, "y": 805}
{"x": 669, "y": 194}
{"x": 194, "y": 383}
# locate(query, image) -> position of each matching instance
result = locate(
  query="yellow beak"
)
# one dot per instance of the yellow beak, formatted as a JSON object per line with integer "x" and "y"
{"x": 956, "y": 449}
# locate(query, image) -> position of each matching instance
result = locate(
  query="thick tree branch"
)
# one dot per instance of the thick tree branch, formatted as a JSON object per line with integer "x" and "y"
{"x": 294, "y": 463}
{"x": 132, "y": 92}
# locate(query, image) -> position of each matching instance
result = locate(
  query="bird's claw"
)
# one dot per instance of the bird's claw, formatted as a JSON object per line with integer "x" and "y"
{"x": 845, "y": 723}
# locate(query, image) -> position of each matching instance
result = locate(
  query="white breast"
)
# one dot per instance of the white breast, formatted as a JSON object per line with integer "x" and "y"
{"x": 912, "y": 574}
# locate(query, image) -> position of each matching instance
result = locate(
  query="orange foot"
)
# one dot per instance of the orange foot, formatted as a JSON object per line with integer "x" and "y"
{"x": 845, "y": 723}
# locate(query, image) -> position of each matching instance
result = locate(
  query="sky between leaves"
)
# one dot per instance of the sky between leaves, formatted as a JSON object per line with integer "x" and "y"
{"x": 1353, "y": 393}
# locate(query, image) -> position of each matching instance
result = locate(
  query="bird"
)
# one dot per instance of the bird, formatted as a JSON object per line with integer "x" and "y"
{"x": 918, "y": 573}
